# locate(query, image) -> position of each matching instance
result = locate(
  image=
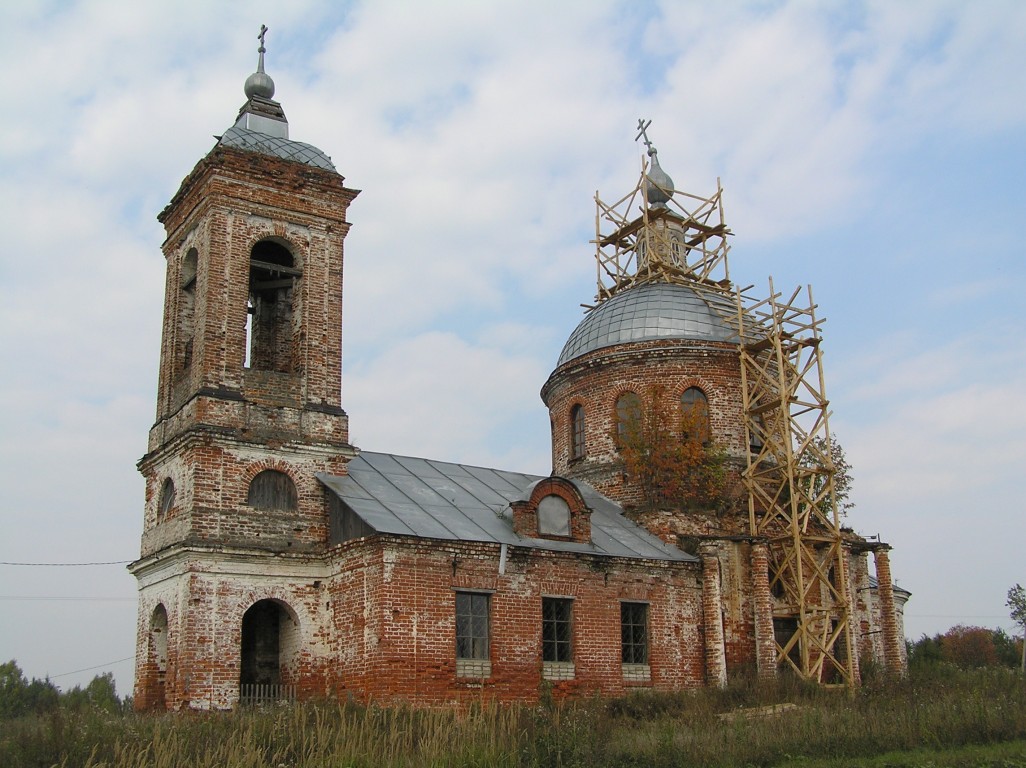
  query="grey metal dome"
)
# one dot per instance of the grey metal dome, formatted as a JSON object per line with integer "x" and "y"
{"x": 276, "y": 146}
{"x": 650, "y": 312}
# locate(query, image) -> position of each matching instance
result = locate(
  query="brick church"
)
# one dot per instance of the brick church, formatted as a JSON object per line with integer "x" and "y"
{"x": 280, "y": 561}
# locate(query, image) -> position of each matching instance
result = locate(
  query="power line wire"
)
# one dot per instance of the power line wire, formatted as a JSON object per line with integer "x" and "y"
{"x": 61, "y": 597}
{"x": 67, "y": 565}
{"x": 90, "y": 669}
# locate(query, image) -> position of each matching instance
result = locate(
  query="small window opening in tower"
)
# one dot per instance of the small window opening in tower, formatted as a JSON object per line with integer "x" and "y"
{"x": 577, "y": 432}
{"x": 187, "y": 308}
{"x": 271, "y": 315}
{"x": 167, "y": 499}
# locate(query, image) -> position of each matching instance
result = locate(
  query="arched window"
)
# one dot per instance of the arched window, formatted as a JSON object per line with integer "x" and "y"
{"x": 553, "y": 516}
{"x": 577, "y": 432}
{"x": 167, "y": 499}
{"x": 187, "y": 308}
{"x": 628, "y": 418}
{"x": 272, "y": 490}
{"x": 694, "y": 407}
{"x": 270, "y": 332}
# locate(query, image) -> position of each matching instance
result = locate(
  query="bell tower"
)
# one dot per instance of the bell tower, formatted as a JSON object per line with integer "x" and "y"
{"x": 249, "y": 394}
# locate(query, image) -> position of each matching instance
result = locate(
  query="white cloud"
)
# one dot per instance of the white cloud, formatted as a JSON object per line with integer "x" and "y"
{"x": 437, "y": 395}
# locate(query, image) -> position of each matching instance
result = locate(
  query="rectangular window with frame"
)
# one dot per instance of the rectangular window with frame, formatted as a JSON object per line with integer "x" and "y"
{"x": 557, "y": 629}
{"x": 634, "y": 632}
{"x": 472, "y": 626}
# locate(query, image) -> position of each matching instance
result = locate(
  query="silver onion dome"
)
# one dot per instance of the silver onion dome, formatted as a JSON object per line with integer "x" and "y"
{"x": 658, "y": 184}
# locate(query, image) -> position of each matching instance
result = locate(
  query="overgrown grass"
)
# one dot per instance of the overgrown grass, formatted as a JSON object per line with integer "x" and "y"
{"x": 941, "y": 718}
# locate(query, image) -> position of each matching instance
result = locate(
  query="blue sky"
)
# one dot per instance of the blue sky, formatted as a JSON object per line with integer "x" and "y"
{"x": 874, "y": 150}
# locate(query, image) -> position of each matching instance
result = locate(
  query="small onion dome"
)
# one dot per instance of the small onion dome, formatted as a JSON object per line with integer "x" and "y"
{"x": 259, "y": 84}
{"x": 658, "y": 184}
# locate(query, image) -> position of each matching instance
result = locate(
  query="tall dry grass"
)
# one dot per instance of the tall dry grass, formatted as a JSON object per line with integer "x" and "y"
{"x": 937, "y": 708}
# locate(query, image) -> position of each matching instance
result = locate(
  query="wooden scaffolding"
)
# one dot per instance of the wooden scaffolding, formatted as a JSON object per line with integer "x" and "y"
{"x": 790, "y": 482}
{"x": 660, "y": 234}
{"x": 683, "y": 240}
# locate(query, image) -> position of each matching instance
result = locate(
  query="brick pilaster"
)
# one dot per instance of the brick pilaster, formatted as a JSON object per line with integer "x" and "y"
{"x": 712, "y": 613}
{"x": 762, "y": 610}
{"x": 888, "y": 620}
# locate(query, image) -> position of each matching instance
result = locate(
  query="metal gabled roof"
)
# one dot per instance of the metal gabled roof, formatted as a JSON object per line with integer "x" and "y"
{"x": 430, "y": 499}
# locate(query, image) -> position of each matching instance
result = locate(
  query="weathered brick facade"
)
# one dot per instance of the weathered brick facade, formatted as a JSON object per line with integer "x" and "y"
{"x": 264, "y": 572}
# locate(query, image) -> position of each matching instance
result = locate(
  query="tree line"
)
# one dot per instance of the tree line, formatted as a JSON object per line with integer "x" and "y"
{"x": 966, "y": 647}
{"x": 20, "y": 696}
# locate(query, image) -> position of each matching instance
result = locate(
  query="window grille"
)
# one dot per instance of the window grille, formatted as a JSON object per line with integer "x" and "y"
{"x": 557, "y": 629}
{"x": 471, "y": 626}
{"x": 634, "y": 632}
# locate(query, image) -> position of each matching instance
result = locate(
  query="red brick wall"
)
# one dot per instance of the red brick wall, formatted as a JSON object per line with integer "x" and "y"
{"x": 597, "y": 379}
{"x": 395, "y": 621}
{"x": 376, "y": 620}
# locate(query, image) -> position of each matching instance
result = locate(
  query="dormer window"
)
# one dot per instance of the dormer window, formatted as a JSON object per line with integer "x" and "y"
{"x": 554, "y": 509}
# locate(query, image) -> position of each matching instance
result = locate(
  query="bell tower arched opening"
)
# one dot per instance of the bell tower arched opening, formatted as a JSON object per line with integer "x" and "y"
{"x": 187, "y": 309}
{"x": 272, "y": 315}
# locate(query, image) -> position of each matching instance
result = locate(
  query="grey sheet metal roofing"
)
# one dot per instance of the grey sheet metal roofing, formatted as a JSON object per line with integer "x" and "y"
{"x": 440, "y": 500}
{"x": 649, "y": 312}
{"x": 286, "y": 149}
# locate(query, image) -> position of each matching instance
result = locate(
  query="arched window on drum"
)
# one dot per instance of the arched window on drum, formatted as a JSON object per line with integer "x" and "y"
{"x": 577, "y": 432}
{"x": 694, "y": 406}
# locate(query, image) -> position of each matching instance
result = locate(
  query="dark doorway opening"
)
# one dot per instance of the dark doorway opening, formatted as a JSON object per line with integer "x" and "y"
{"x": 267, "y": 630}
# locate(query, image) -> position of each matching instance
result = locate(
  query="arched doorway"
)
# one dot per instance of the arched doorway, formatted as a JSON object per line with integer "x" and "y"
{"x": 270, "y": 634}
